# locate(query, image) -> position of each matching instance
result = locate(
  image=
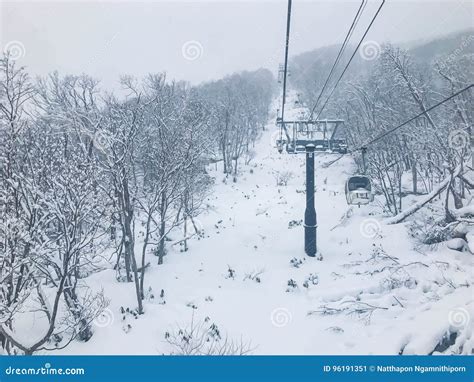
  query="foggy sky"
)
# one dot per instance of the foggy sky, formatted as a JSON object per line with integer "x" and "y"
{"x": 107, "y": 39}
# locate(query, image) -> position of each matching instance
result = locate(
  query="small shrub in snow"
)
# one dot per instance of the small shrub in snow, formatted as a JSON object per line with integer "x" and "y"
{"x": 292, "y": 285}
{"x": 311, "y": 280}
{"x": 122, "y": 278}
{"x": 335, "y": 329}
{"x": 427, "y": 231}
{"x": 294, "y": 223}
{"x": 162, "y": 300}
{"x": 379, "y": 254}
{"x": 149, "y": 295}
{"x": 127, "y": 313}
{"x": 296, "y": 263}
{"x": 204, "y": 338}
{"x": 357, "y": 308}
{"x": 230, "y": 273}
{"x": 191, "y": 305}
{"x": 201, "y": 234}
{"x": 283, "y": 177}
{"x": 254, "y": 276}
{"x": 55, "y": 339}
{"x": 395, "y": 282}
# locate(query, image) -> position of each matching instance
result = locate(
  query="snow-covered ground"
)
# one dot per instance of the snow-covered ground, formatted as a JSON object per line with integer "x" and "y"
{"x": 372, "y": 293}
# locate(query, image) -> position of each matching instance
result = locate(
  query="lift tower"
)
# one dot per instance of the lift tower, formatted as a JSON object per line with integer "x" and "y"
{"x": 310, "y": 212}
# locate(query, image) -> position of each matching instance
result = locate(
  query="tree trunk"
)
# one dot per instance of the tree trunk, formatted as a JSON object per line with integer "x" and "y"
{"x": 137, "y": 286}
{"x": 127, "y": 213}
{"x": 161, "y": 249}
{"x": 414, "y": 176}
{"x": 72, "y": 302}
{"x": 130, "y": 260}
{"x": 412, "y": 209}
{"x": 144, "y": 248}
{"x": 185, "y": 232}
{"x": 224, "y": 157}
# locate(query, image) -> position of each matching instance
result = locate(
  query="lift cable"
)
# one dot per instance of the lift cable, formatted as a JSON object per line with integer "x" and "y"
{"x": 350, "y": 60}
{"x": 339, "y": 55}
{"x": 389, "y": 131}
{"x": 287, "y": 43}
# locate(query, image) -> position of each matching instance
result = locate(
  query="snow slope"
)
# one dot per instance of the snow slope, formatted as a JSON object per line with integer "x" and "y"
{"x": 374, "y": 293}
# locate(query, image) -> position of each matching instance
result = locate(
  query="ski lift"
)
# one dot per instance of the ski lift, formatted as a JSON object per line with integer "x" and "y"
{"x": 281, "y": 70}
{"x": 359, "y": 187}
{"x": 359, "y": 190}
{"x": 298, "y": 100}
{"x": 280, "y": 146}
{"x": 280, "y": 141}
{"x": 302, "y": 132}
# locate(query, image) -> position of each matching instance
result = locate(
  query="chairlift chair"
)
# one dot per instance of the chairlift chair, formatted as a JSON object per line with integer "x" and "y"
{"x": 280, "y": 143}
{"x": 359, "y": 190}
{"x": 301, "y": 132}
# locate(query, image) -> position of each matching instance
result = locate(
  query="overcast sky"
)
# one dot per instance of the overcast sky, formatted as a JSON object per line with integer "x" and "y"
{"x": 202, "y": 40}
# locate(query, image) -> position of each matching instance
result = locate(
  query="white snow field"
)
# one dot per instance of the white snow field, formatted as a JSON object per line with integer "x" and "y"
{"x": 373, "y": 292}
